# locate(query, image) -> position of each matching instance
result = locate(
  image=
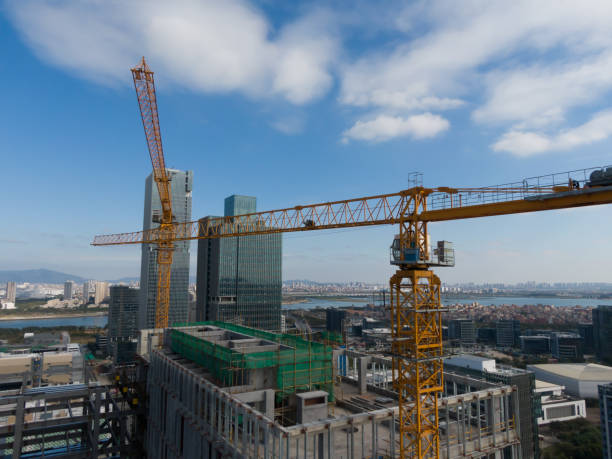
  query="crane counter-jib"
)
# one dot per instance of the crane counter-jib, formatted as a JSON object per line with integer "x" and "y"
{"x": 535, "y": 203}
{"x": 454, "y": 204}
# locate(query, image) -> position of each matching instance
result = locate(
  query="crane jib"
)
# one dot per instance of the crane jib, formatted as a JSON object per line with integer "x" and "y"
{"x": 144, "y": 84}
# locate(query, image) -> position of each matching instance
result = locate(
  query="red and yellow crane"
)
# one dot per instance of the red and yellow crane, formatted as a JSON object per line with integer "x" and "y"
{"x": 416, "y": 310}
{"x": 145, "y": 90}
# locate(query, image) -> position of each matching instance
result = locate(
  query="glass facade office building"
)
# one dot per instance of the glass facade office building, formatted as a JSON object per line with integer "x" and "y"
{"x": 122, "y": 323}
{"x": 180, "y": 187}
{"x": 239, "y": 280}
{"x": 605, "y": 407}
{"x": 123, "y": 312}
{"x": 602, "y": 333}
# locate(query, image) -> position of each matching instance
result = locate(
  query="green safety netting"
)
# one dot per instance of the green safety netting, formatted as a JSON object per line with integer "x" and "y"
{"x": 303, "y": 365}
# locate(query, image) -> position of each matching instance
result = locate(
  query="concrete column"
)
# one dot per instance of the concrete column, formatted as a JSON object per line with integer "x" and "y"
{"x": 362, "y": 370}
{"x": 479, "y": 425}
{"x": 19, "y": 420}
{"x": 336, "y": 355}
{"x": 270, "y": 403}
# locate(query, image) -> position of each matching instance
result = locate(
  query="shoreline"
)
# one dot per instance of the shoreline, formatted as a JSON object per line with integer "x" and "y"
{"x": 300, "y": 301}
{"x": 51, "y": 316}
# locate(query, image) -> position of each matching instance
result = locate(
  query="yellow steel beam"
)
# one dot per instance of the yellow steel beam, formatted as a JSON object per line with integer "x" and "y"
{"x": 144, "y": 84}
{"x": 566, "y": 200}
{"x": 369, "y": 211}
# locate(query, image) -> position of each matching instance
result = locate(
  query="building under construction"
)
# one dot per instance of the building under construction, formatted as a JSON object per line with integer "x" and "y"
{"x": 213, "y": 390}
{"x": 221, "y": 390}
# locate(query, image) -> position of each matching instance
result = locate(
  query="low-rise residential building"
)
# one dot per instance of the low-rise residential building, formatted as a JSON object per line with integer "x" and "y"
{"x": 536, "y": 344}
{"x": 566, "y": 346}
{"x": 463, "y": 331}
{"x": 507, "y": 332}
{"x": 556, "y": 406}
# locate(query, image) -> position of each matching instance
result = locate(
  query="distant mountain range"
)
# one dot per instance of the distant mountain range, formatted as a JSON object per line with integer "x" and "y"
{"x": 38, "y": 276}
{"x": 47, "y": 276}
{"x": 126, "y": 280}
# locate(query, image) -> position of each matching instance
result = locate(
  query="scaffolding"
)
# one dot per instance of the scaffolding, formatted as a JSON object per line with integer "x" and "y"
{"x": 300, "y": 365}
{"x": 74, "y": 420}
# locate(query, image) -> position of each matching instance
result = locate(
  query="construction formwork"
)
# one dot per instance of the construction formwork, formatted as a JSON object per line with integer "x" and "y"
{"x": 299, "y": 365}
{"x": 190, "y": 417}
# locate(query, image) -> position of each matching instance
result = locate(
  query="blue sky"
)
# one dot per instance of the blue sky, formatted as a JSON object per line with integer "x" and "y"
{"x": 304, "y": 102}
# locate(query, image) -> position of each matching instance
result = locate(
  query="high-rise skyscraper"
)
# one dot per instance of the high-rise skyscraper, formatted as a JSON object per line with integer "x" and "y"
{"x": 123, "y": 322}
{"x": 88, "y": 287}
{"x": 239, "y": 279}
{"x": 11, "y": 292}
{"x": 180, "y": 187}
{"x": 100, "y": 292}
{"x": 602, "y": 332}
{"x": 68, "y": 290}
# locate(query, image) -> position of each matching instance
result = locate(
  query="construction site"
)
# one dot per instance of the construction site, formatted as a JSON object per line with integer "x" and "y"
{"x": 212, "y": 390}
{"x": 218, "y": 390}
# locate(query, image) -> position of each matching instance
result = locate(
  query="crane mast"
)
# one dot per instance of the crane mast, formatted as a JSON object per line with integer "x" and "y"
{"x": 416, "y": 332}
{"x": 147, "y": 101}
{"x": 416, "y": 311}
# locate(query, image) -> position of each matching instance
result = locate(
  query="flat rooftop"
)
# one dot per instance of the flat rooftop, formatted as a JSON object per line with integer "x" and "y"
{"x": 581, "y": 371}
{"x": 545, "y": 385}
{"x": 236, "y": 341}
{"x": 468, "y": 357}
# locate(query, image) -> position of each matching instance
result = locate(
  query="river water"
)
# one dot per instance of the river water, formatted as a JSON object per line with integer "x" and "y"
{"x": 322, "y": 302}
{"x": 89, "y": 321}
{"x": 521, "y": 301}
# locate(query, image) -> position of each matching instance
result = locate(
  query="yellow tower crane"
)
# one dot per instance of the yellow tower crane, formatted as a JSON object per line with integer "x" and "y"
{"x": 145, "y": 90}
{"x": 416, "y": 310}
{"x": 415, "y": 290}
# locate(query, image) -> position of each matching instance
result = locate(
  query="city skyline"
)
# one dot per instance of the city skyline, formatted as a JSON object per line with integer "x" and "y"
{"x": 326, "y": 133}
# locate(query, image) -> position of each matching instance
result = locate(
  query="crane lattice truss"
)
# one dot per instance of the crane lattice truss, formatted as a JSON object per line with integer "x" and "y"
{"x": 415, "y": 289}
{"x": 439, "y": 204}
{"x": 145, "y": 90}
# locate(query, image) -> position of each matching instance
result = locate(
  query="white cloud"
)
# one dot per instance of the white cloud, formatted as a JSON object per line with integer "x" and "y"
{"x": 462, "y": 37}
{"x": 309, "y": 44}
{"x": 519, "y": 64}
{"x": 290, "y": 125}
{"x": 386, "y": 127}
{"x": 528, "y": 62}
{"x": 541, "y": 94}
{"x": 201, "y": 45}
{"x": 524, "y": 143}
